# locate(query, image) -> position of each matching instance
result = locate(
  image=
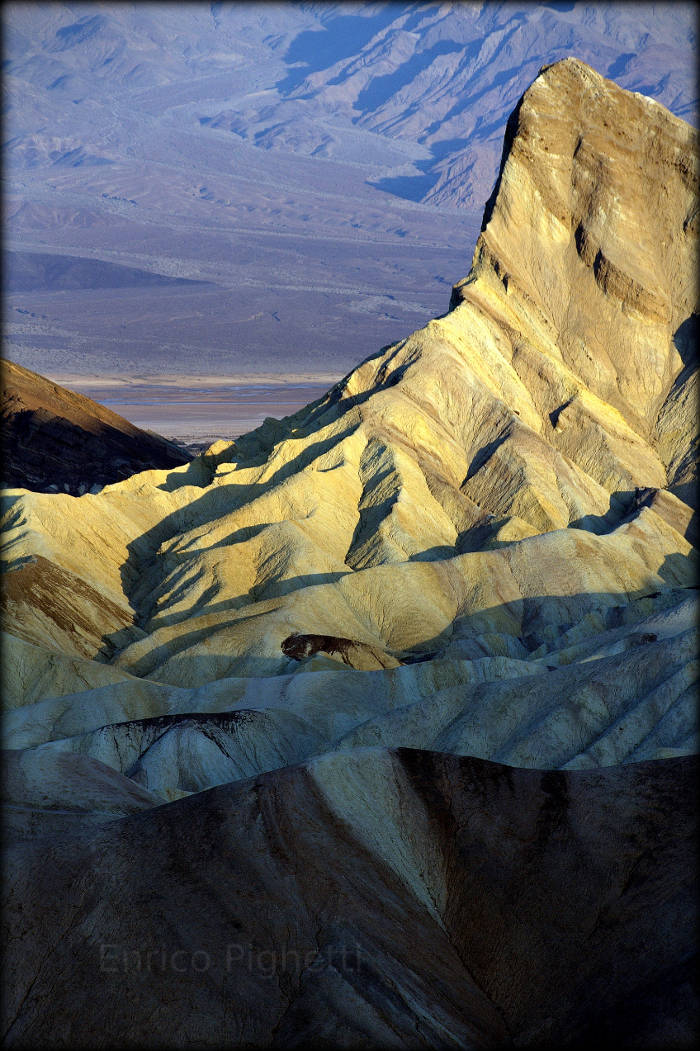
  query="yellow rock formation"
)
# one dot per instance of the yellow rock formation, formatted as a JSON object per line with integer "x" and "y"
{"x": 472, "y": 496}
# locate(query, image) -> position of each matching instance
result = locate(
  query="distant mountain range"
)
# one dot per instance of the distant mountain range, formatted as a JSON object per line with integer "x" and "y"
{"x": 324, "y": 166}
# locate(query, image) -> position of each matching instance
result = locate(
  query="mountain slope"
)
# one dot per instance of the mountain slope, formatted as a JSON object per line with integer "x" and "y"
{"x": 447, "y": 77}
{"x": 377, "y": 899}
{"x": 489, "y": 487}
{"x": 55, "y": 439}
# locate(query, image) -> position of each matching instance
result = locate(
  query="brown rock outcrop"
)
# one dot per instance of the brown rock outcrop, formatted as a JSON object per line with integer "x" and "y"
{"x": 592, "y": 233}
{"x": 355, "y": 654}
{"x": 56, "y": 440}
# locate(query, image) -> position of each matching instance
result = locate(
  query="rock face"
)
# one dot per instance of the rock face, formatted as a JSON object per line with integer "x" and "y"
{"x": 54, "y": 439}
{"x": 354, "y": 654}
{"x": 437, "y": 629}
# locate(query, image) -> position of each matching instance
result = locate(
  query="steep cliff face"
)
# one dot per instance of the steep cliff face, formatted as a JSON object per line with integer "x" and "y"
{"x": 479, "y": 543}
{"x": 571, "y": 348}
{"x": 54, "y": 439}
{"x": 592, "y": 236}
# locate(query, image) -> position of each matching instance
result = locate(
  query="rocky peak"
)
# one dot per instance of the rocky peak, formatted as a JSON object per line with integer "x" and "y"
{"x": 592, "y": 231}
{"x": 354, "y": 625}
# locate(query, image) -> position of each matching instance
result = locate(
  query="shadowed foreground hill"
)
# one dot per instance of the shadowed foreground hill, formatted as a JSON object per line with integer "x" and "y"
{"x": 402, "y": 631}
{"x": 54, "y": 439}
{"x": 381, "y": 898}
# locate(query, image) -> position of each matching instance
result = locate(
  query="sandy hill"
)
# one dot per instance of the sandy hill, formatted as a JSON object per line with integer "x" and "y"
{"x": 442, "y": 617}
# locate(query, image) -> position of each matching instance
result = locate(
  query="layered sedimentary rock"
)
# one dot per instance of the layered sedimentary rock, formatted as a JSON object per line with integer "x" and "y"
{"x": 478, "y": 549}
{"x": 54, "y": 439}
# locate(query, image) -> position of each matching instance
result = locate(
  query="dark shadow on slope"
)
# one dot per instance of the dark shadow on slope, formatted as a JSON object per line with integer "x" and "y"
{"x": 618, "y": 623}
{"x": 434, "y": 554}
{"x": 532, "y": 621}
{"x": 199, "y": 472}
{"x": 43, "y": 272}
{"x": 304, "y": 459}
{"x": 486, "y": 452}
{"x": 342, "y": 37}
{"x": 625, "y": 505}
{"x": 255, "y": 445}
{"x": 586, "y": 882}
{"x": 385, "y": 378}
{"x": 278, "y": 588}
{"x": 45, "y": 452}
{"x": 250, "y": 451}
{"x": 416, "y": 187}
{"x": 370, "y": 519}
{"x": 144, "y": 666}
{"x": 381, "y": 89}
{"x": 673, "y": 567}
{"x": 529, "y": 621}
{"x": 686, "y": 339}
{"x": 559, "y": 5}
{"x": 653, "y": 1016}
{"x": 212, "y": 505}
{"x": 508, "y": 139}
{"x": 204, "y": 604}
{"x": 410, "y": 187}
{"x": 616, "y": 627}
{"x": 78, "y": 32}
{"x": 622, "y": 63}
{"x": 522, "y": 72}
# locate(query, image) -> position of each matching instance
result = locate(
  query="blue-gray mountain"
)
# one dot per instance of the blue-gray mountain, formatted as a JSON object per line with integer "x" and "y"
{"x": 320, "y": 168}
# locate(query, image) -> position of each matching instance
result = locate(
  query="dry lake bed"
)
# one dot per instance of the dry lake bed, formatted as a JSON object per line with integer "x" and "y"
{"x": 196, "y": 411}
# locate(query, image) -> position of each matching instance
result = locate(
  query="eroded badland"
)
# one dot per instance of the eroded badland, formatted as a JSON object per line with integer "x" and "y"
{"x": 407, "y": 675}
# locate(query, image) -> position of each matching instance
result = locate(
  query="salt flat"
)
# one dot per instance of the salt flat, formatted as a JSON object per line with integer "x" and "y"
{"x": 192, "y": 413}
{"x": 202, "y": 408}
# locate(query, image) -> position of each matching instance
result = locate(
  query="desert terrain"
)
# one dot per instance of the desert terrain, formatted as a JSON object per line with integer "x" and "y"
{"x": 195, "y": 411}
{"x": 238, "y": 189}
{"x": 377, "y": 725}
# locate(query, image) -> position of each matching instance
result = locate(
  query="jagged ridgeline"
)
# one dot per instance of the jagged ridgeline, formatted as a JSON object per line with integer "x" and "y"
{"x": 480, "y": 544}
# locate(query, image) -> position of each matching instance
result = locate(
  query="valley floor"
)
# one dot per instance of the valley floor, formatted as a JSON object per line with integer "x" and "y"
{"x": 196, "y": 411}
